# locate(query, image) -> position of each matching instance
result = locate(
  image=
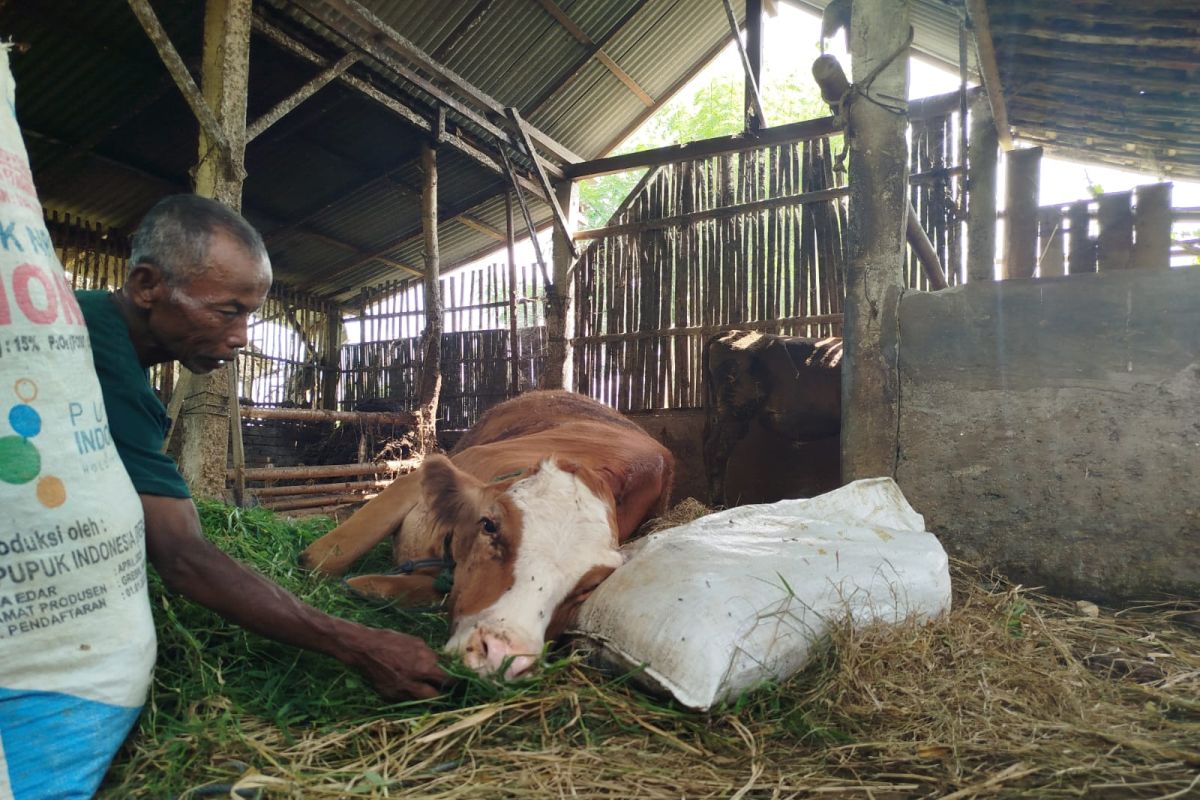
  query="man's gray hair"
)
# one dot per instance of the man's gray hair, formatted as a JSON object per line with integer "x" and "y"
{"x": 176, "y": 233}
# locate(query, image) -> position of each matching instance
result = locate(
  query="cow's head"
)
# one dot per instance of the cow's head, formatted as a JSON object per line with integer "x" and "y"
{"x": 527, "y": 548}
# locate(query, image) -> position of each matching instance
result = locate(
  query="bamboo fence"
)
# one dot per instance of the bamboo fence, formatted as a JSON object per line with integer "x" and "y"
{"x": 478, "y": 348}
{"x": 749, "y": 240}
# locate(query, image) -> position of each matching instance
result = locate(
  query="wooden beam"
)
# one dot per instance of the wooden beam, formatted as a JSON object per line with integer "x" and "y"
{"x": 555, "y": 11}
{"x": 754, "y": 54}
{"x": 560, "y": 295}
{"x": 396, "y": 43}
{"x": 753, "y": 105}
{"x": 179, "y": 71}
{"x": 923, "y": 248}
{"x": 725, "y": 212}
{"x": 300, "y": 95}
{"x": 982, "y": 162}
{"x": 514, "y": 354}
{"x": 325, "y": 415}
{"x": 560, "y": 219}
{"x": 535, "y": 105}
{"x": 206, "y": 433}
{"x": 705, "y": 148}
{"x": 986, "y": 53}
{"x": 875, "y": 267}
{"x": 469, "y": 20}
{"x": 420, "y": 121}
{"x": 272, "y": 474}
{"x": 1135, "y": 39}
{"x": 476, "y": 224}
{"x": 1021, "y": 212}
{"x": 364, "y": 254}
{"x": 429, "y": 380}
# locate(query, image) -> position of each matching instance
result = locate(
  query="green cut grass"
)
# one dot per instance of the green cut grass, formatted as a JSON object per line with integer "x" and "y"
{"x": 1011, "y": 694}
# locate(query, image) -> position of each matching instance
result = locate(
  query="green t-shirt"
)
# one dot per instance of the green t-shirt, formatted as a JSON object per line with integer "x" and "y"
{"x": 137, "y": 419}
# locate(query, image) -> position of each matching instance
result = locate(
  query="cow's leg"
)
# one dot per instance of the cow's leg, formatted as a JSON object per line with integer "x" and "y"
{"x": 334, "y": 552}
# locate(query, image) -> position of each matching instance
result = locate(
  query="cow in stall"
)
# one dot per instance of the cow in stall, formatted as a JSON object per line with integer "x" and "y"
{"x": 529, "y": 511}
{"x": 774, "y": 416}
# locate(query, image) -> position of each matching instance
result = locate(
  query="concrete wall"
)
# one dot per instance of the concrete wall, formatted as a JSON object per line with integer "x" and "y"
{"x": 1051, "y": 428}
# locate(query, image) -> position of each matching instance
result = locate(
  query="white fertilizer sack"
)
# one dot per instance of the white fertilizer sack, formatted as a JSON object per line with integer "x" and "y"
{"x": 709, "y": 609}
{"x": 76, "y": 635}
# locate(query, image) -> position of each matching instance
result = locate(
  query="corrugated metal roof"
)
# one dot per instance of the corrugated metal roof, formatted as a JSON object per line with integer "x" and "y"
{"x": 1097, "y": 80}
{"x": 334, "y": 184}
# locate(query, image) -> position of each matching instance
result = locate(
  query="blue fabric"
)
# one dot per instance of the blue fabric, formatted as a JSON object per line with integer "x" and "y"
{"x": 58, "y": 745}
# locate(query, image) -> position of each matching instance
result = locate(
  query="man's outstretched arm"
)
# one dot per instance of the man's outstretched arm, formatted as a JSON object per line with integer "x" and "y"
{"x": 399, "y": 666}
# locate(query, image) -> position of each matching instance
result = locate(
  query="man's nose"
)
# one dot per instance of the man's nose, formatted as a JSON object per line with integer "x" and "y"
{"x": 238, "y": 334}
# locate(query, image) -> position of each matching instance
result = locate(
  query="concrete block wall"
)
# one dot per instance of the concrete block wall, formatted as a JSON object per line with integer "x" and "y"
{"x": 1051, "y": 428}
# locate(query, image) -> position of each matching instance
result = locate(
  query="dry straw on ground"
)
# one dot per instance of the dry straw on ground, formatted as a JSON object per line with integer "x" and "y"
{"x": 1013, "y": 694}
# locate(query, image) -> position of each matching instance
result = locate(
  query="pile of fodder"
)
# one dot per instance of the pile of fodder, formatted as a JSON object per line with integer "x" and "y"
{"x": 1012, "y": 694}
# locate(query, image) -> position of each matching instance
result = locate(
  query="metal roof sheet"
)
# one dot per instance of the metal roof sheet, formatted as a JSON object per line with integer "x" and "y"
{"x": 333, "y": 185}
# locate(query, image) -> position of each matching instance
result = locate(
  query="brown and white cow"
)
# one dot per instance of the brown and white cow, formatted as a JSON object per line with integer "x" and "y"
{"x": 531, "y": 505}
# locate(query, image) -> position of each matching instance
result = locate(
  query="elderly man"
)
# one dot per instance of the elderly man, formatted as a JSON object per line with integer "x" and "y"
{"x": 196, "y": 273}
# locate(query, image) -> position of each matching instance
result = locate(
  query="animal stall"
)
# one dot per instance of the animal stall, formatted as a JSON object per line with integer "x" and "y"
{"x": 753, "y": 240}
{"x": 326, "y": 423}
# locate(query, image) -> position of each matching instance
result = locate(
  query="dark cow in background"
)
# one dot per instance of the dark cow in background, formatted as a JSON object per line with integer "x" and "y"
{"x": 529, "y": 511}
{"x": 774, "y": 416}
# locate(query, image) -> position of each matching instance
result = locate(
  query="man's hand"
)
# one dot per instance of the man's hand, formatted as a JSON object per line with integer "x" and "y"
{"x": 398, "y": 666}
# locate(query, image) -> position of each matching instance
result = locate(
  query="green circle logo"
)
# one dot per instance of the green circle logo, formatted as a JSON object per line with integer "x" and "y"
{"x": 20, "y": 461}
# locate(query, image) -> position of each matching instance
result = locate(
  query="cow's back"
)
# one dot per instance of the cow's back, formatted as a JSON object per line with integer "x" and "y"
{"x": 538, "y": 412}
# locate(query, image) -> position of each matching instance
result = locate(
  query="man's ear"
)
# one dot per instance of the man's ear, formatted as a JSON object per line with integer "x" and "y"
{"x": 146, "y": 285}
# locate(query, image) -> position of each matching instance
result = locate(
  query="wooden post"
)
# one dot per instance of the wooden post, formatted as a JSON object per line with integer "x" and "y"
{"x": 430, "y": 385}
{"x": 981, "y": 188}
{"x": 331, "y": 358}
{"x": 1114, "y": 244}
{"x": 1082, "y": 256}
{"x": 753, "y": 97}
{"x": 204, "y": 418}
{"x": 878, "y": 211}
{"x": 1050, "y": 242}
{"x": 559, "y": 373}
{"x": 1020, "y": 212}
{"x": 514, "y": 346}
{"x": 1152, "y": 227}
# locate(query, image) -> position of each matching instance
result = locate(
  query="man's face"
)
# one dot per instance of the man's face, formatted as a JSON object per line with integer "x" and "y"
{"x": 203, "y": 323}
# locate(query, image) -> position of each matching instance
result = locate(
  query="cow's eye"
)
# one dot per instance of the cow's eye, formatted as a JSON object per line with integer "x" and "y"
{"x": 489, "y": 526}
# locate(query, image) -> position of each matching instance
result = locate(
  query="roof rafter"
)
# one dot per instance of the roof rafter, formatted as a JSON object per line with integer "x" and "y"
{"x": 583, "y": 60}
{"x": 387, "y": 46}
{"x": 412, "y": 117}
{"x": 553, "y": 9}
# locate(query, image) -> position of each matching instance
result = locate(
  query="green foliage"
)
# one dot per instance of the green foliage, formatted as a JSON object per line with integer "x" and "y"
{"x": 711, "y": 109}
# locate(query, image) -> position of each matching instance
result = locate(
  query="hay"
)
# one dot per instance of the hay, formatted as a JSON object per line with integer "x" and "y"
{"x": 1013, "y": 694}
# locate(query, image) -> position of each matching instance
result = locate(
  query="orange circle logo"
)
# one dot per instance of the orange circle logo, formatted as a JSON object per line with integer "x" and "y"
{"x": 50, "y": 492}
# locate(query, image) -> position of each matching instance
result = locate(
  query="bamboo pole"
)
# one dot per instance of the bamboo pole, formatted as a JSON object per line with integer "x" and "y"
{"x": 323, "y": 501}
{"x": 326, "y": 415}
{"x": 331, "y": 471}
{"x": 320, "y": 488}
{"x": 1050, "y": 257}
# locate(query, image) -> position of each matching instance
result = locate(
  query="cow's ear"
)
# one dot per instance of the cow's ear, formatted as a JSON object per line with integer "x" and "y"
{"x": 451, "y": 495}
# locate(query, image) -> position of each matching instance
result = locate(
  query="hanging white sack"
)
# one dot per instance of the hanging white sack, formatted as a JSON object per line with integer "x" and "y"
{"x": 710, "y": 609}
{"x": 76, "y": 636}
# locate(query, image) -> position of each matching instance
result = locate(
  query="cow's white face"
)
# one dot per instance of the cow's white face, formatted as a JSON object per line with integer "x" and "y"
{"x": 527, "y": 550}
